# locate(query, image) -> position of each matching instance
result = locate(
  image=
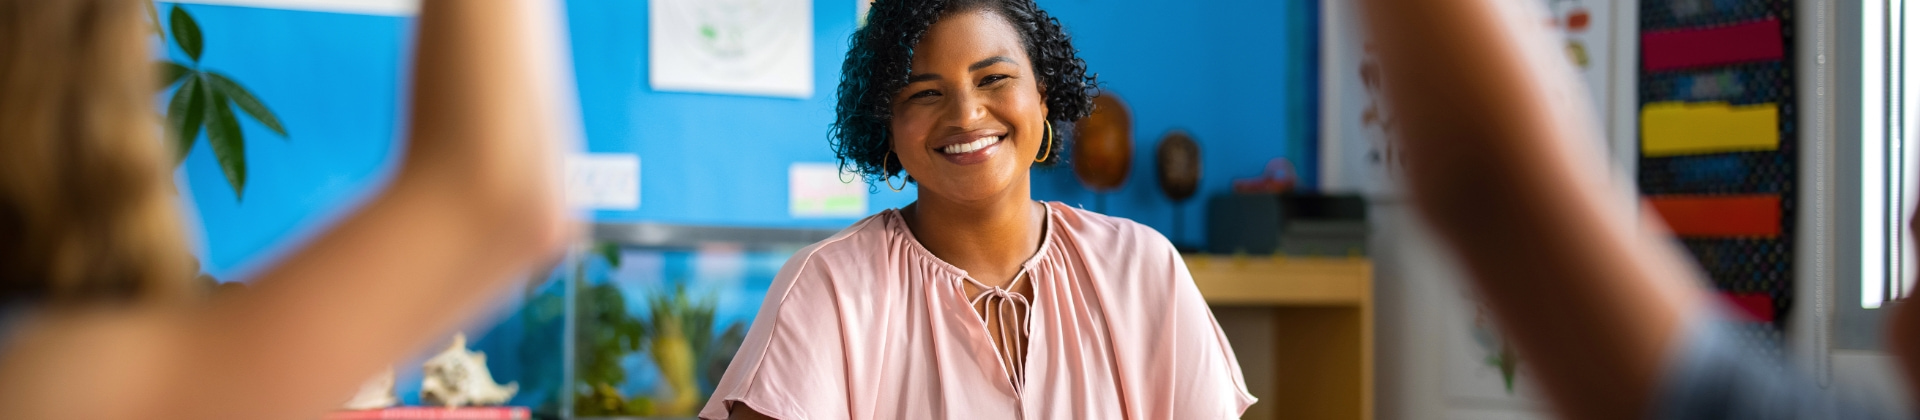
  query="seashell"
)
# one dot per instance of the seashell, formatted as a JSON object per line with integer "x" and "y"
{"x": 458, "y": 378}
{"x": 376, "y": 393}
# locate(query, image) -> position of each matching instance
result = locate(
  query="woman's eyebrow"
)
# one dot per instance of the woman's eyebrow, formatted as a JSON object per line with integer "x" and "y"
{"x": 922, "y": 77}
{"x": 990, "y": 61}
{"x": 974, "y": 67}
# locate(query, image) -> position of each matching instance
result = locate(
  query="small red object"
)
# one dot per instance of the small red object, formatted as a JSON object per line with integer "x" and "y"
{"x": 1578, "y": 19}
{"x": 435, "y": 413}
{"x": 1752, "y": 307}
{"x": 1719, "y": 216}
{"x": 1278, "y": 178}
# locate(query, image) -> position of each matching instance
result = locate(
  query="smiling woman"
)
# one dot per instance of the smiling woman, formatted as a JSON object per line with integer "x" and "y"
{"x": 976, "y": 301}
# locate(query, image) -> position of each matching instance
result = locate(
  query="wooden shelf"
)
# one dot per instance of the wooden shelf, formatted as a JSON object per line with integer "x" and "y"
{"x": 1302, "y": 328}
{"x": 1281, "y": 281}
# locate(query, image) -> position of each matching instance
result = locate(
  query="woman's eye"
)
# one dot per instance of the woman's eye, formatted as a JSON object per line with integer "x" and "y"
{"x": 924, "y": 94}
{"x": 992, "y": 79}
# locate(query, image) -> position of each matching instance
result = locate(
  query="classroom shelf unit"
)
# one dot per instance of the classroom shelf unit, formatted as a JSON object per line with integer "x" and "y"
{"x": 1302, "y": 328}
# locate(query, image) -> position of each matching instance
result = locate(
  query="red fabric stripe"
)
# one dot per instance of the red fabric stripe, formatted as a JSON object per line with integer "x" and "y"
{"x": 1754, "y": 307}
{"x": 1699, "y": 47}
{"x": 1720, "y": 216}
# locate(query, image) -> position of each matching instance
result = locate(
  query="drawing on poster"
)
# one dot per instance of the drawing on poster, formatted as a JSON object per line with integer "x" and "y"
{"x": 1356, "y": 154}
{"x": 743, "y": 47}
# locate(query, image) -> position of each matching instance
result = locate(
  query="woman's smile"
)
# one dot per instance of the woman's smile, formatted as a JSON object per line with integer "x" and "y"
{"x": 969, "y": 148}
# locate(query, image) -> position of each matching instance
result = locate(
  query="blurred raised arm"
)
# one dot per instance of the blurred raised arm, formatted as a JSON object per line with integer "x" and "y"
{"x": 474, "y": 207}
{"x": 1504, "y": 163}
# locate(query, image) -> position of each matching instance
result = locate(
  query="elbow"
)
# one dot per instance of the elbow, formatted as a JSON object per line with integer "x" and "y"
{"x": 534, "y": 230}
{"x": 523, "y": 219}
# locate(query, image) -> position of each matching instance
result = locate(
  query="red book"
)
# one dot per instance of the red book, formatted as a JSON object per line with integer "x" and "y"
{"x": 435, "y": 413}
{"x": 1701, "y": 47}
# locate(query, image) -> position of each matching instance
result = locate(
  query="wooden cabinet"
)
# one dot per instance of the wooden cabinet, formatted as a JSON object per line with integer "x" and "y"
{"x": 1302, "y": 328}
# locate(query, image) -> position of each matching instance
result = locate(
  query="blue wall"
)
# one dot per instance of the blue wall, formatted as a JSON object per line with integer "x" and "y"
{"x": 333, "y": 79}
{"x": 1239, "y": 75}
{"x": 705, "y": 159}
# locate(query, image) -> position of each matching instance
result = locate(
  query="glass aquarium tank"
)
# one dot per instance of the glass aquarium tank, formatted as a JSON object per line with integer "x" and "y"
{"x": 655, "y": 318}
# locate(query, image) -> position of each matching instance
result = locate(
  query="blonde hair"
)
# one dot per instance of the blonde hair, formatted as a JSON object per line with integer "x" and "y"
{"x": 86, "y": 200}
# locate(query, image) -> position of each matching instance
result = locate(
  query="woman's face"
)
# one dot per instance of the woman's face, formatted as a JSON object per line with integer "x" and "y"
{"x": 971, "y": 120}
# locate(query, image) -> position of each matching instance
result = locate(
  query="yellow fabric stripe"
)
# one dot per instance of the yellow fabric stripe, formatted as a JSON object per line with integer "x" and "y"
{"x": 1680, "y": 128}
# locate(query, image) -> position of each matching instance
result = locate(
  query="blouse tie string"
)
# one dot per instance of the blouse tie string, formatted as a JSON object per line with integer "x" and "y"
{"x": 1010, "y": 309}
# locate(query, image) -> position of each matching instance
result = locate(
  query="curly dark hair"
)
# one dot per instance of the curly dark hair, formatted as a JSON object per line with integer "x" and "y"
{"x": 879, "y": 61}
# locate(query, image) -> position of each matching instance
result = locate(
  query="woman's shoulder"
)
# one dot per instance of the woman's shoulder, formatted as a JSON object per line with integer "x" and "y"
{"x": 862, "y": 241}
{"x": 1090, "y": 229}
{"x": 1119, "y": 256}
{"x": 847, "y": 261}
{"x": 813, "y": 272}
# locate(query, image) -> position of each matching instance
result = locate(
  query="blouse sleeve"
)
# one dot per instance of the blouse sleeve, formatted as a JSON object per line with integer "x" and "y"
{"x": 1709, "y": 376}
{"x": 1207, "y": 383}
{"x": 790, "y": 366}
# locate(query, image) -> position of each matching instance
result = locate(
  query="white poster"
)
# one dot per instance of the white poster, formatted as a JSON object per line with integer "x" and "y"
{"x": 820, "y": 190}
{"x": 745, "y": 47}
{"x": 603, "y": 181}
{"x": 1355, "y": 154}
{"x": 860, "y": 9}
{"x": 1585, "y": 34}
{"x": 1353, "y": 146}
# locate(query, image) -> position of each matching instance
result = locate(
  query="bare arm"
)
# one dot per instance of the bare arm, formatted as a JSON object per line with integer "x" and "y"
{"x": 474, "y": 207}
{"x": 1504, "y": 164}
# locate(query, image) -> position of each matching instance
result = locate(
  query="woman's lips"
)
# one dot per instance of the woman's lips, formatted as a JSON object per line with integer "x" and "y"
{"x": 971, "y": 152}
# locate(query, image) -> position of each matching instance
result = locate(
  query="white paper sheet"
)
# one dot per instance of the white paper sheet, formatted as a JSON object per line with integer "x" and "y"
{"x": 820, "y": 190}
{"x": 745, "y": 47}
{"x": 603, "y": 181}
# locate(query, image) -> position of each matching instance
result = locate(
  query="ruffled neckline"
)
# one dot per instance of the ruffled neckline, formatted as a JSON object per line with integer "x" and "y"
{"x": 1049, "y": 227}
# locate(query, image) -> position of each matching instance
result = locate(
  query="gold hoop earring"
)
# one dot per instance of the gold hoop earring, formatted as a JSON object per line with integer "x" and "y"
{"x": 1046, "y": 149}
{"x": 889, "y": 179}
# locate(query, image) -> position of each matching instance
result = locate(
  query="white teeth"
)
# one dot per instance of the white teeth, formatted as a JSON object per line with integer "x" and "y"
{"x": 970, "y": 146}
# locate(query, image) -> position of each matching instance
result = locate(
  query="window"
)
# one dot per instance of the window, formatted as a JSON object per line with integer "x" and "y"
{"x": 1887, "y": 165}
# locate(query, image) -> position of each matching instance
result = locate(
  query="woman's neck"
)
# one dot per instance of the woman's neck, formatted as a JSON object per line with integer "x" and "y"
{"x": 989, "y": 239}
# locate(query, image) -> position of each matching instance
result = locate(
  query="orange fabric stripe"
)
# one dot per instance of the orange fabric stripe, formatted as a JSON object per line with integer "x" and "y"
{"x": 1720, "y": 215}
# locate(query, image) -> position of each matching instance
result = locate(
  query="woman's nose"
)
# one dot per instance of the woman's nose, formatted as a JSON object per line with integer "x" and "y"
{"x": 968, "y": 108}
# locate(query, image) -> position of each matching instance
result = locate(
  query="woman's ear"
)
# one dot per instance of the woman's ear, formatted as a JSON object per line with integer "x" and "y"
{"x": 1045, "y": 111}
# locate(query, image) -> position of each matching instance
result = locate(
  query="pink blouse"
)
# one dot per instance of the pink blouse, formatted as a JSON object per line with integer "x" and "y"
{"x": 870, "y": 325}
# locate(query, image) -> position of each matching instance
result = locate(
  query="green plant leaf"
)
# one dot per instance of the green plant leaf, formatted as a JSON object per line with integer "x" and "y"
{"x": 186, "y": 32}
{"x": 609, "y": 251}
{"x": 223, "y": 134}
{"x": 247, "y": 102}
{"x": 171, "y": 73}
{"x": 187, "y": 112}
